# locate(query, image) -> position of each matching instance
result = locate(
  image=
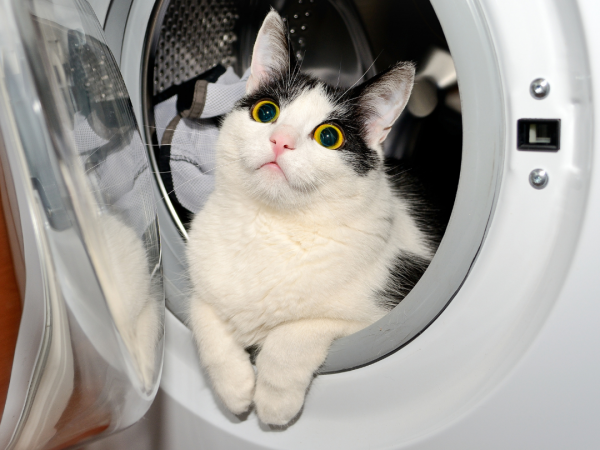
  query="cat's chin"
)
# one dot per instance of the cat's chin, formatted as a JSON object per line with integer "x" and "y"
{"x": 273, "y": 168}
{"x": 272, "y": 188}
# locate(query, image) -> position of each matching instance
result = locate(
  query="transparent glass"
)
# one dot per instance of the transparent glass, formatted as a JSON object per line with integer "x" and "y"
{"x": 85, "y": 186}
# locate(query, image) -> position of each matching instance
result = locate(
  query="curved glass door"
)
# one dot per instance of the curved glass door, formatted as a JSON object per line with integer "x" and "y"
{"x": 91, "y": 333}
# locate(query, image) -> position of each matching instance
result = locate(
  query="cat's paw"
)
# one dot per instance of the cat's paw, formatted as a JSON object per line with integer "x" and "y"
{"x": 277, "y": 407}
{"x": 234, "y": 385}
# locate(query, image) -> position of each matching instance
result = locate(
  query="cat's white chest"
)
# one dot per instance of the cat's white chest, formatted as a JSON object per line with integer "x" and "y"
{"x": 259, "y": 271}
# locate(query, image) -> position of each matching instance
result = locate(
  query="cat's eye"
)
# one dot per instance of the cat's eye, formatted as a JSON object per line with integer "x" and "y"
{"x": 329, "y": 136}
{"x": 265, "y": 111}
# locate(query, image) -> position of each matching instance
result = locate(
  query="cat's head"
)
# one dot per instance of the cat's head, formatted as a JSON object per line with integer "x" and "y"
{"x": 294, "y": 140}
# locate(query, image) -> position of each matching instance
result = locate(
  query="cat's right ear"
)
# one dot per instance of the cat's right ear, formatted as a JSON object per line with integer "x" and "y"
{"x": 271, "y": 53}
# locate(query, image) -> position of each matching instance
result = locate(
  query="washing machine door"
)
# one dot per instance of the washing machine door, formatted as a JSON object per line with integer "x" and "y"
{"x": 76, "y": 188}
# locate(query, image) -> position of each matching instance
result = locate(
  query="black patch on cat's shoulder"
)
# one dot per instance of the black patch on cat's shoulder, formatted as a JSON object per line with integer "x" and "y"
{"x": 407, "y": 270}
{"x": 253, "y": 352}
{"x": 407, "y": 267}
{"x": 406, "y": 184}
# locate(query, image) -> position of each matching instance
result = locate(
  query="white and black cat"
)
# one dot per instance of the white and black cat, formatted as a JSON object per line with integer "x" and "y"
{"x": 305, "y": 238}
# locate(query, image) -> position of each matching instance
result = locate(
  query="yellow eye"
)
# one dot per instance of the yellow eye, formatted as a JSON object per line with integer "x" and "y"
{"x": 265, "y": 111}
{"x": 329, "y": 136}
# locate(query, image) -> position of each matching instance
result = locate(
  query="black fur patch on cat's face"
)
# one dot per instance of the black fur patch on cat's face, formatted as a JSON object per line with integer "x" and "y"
{"x": 286, "y": 87}
{"x": 348, "y": 116}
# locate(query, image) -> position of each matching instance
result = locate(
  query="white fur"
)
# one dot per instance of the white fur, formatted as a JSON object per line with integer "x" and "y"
{"x": 289, "y": 261}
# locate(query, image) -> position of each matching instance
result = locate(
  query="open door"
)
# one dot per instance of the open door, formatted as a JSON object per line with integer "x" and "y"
{"x": 77, "y": 196}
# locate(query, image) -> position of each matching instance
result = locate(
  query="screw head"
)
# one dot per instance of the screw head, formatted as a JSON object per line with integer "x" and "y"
{"x": 539, "y": 88}
{"x": 538, "y": 178}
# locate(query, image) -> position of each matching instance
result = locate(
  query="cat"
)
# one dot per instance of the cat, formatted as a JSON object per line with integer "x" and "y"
{"x": 305, "y": 238}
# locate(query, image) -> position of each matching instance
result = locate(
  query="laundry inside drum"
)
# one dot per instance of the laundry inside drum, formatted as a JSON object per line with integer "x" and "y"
{"x": 341, "y": 42}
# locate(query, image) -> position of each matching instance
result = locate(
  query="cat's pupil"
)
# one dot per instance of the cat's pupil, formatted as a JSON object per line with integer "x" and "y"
{"x": 266, "y": 112}
{"x": 329, "y": 136}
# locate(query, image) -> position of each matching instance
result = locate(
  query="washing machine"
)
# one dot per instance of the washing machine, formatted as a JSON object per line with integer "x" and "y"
{"x": 496, "y": 345}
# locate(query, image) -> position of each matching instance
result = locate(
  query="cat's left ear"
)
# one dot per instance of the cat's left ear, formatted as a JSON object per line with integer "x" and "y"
{"x": 382, "y": 100}
{"x": 271, "y": 54}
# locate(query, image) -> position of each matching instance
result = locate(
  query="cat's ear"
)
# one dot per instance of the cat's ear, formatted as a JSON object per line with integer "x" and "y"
{"x": 271, "y": 54}
{"x": 383, "y": 98}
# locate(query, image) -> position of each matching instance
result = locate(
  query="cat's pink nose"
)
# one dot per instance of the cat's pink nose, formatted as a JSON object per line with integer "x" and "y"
{"x": 283, "y": 139}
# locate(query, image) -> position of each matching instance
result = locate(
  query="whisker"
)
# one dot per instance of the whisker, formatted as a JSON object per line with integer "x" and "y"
{"x": 299, "y": 67}
{"x": 201, "y": 174}
{"x": 92, "y": 168}
{"x": 363, "y": 75}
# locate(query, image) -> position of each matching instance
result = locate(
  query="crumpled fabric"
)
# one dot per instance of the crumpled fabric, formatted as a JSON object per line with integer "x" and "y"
{"x": 192, "y": 159}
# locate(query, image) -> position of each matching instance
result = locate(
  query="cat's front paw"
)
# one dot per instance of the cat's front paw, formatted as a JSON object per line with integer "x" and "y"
{"x": 234, "y": 385}
{"x": 277, "y": 407}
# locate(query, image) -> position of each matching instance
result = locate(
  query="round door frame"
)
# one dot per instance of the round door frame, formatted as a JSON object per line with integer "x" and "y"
{"x": 489, "y": 136}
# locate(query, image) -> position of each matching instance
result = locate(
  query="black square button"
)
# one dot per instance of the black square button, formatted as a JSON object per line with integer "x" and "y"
{"x": 538, "y": 134}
